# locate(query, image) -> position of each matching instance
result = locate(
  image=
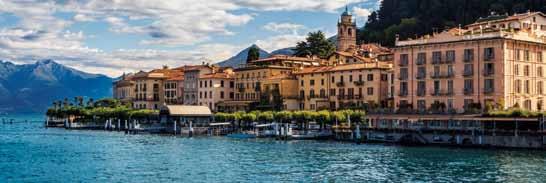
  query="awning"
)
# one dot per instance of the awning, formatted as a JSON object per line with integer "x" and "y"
{"x": 187, "y": 110}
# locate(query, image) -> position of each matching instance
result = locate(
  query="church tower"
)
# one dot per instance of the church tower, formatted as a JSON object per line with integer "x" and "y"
{"x": 346, "y": 31}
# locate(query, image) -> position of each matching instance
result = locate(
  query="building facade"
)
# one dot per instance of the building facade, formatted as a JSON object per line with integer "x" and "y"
{"x": 216, "y": 88}
{"x": 497, "y": 62}
{"x": 344, "y": 86}
{"x": 191, "y": 81}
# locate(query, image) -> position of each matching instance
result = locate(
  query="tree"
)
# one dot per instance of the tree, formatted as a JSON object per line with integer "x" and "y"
{"x": 315, "y": 44}
{"x": 253, "y": 54}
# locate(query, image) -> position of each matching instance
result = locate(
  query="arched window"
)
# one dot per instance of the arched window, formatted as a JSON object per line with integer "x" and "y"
{"x": 350, "y": 32}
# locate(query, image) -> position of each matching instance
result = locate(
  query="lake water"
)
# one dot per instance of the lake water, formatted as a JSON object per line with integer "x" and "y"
{"x": 31, "y": 153}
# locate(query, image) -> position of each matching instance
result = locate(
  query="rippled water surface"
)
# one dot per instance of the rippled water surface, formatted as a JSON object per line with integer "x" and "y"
{"x": 31, "y": 153}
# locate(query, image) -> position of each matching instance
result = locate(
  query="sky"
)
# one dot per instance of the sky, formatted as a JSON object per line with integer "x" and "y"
{"x": 113, "y": 37}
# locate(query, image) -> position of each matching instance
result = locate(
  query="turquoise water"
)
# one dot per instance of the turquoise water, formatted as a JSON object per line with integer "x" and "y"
{"x": 32, "y": 153}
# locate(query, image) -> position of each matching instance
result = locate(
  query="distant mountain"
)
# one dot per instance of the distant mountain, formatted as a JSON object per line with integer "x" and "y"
{"x": 284, "y": 51}
{"x": 33, "y": 87}
{"x": 239, "y": 59}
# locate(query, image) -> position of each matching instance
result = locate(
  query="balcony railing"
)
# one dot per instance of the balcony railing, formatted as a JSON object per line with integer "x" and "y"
{"x": 468, "y": 91}
{"x": 403, "y": 77}
{"x": 488, "y": 90}
{"x": 468, "y": 73}
{"x": 441, "y": 92}
{"x": 488, "y": 72}
{"x": 359, "y": 83}
{"x": 468, "y": 59}
{"x": 421, "y": 93}
{"x": 439, "y": 75}
{"x": 421, "y": 62}
{"x": 403, "y": 93}
{"x": 421, "y": 75}
{"x": 340, "y": 84}
{"x": 403, "y": 63}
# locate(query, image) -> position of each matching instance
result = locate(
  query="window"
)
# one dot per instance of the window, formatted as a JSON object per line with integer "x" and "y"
{"x": 450, "y": 56}
{"x": 370, "y": 77}
{"x": 302, "y": 94}
{"x": 333, "y": 79}
{"x": 231, "y": 95}
{"x": 421, "y": 88}
{"x": 436, "y": 87}
{"x": 517, "y": 86}
{"x": 421, "y": 72}
{"x": 450, "y": 87}
{"x": 467, "y": 103}
{"x": 421, "y": 58}
{"x": 370, "y": 90}
{"x": 403, "y": 73}
{"x": 468, "y": 86}
{"x": 526, "y": 70}
{"x": 360, "y": 77}
{"x": 469, "y": 55}
{"x": 489, "y": 85}
{"x": 540, "y": 88}
{"x": 516, "y": 69}
{"x": 526, "y": 86}
{"x": 489, "y": 69}
{"x": 222, "y": 83}
{"x": 200, "y": 84}
{"x": 301, "y": 82}
{"x": 526, "y": 55}
{"x": 403, "y": 88}
{"x": 489, "y": 54}
{"x": 421, "y": 105}
{"x": 539, "y": 56}
{"x": 312, "y": 93}
{"x": 312, "y": 82}
{"x": 403, "y": 60}
{"x": 436, "y": 57}
{"x": 350, "y": 78}
{"x": 468, "y": 69}
{"x": 322, "y": 82}
{"x": 333, "y": 92}
{"x": 322, "y": 93}
{"x": 518, "y": 54}
{"x": 221, "y": 94}
{"x": 231, "y": 84}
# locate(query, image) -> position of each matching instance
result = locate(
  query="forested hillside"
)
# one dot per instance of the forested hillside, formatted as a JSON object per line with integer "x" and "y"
{"x": 412, "y": 18}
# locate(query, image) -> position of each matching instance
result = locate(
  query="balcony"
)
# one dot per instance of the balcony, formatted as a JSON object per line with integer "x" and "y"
{"x": 440, "y": 75}
{"x": 437, "y": 61}
{"x": 403, "y": 63}
{"x": 488, "y": 72}
{"x": 241, "y": 89}
{"x": 359, "y": 83}
{"x": 441, "y": 92}
{"x": 421, "y": 62}
{"x": 468, "y": 73}
{"x": 468, "y": 59}
{"x": 488, "y": 91}
{"x": 468, "y": 91}
{"x": 421, "y": 75}
{"x": 340, "y": 84}
{"x": 421, "y": 93}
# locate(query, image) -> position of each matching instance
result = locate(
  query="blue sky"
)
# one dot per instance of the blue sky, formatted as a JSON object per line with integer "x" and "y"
{"x": 112, "y": 37}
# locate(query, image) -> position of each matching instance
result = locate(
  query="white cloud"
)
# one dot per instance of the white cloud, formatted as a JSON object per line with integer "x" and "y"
{"x": 361, "y": 13}
{"x": 40, "y": 34}
{"x": 279, "y": 42}
{"x": 283, "y": 27}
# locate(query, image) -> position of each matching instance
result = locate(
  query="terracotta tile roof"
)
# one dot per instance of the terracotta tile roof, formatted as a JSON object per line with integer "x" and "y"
{"x": 218, "y": 75}
{"x": 287, "y": 58}
{"x": 503, "y": 18}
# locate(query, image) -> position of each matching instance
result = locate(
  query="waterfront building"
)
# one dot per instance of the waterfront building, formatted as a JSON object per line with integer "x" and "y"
{"x": 148, "y": 89}
{"x": 496, "y": 62}
{"x": 174, "y": 87}
{"x": 123, "y": 89}
{"x": 346, "y": 34}
{"x": 344, "y": 86}
{"x": 215, "y": 88}
{"x": 191, "y": 80}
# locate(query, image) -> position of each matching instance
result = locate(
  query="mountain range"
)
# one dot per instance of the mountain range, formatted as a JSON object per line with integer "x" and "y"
{"x": 240, "y": 58}
{"x": 30, "y": 88}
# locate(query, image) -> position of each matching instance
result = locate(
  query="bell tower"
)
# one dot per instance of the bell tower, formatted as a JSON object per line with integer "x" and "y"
{"x": 346, "y": 31}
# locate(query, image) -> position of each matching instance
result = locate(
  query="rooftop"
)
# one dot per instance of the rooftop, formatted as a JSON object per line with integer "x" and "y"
{"x": 345, "y": 67}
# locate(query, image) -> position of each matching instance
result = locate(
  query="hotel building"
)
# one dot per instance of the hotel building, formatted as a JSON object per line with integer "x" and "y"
{"x": 497, "y": 62}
